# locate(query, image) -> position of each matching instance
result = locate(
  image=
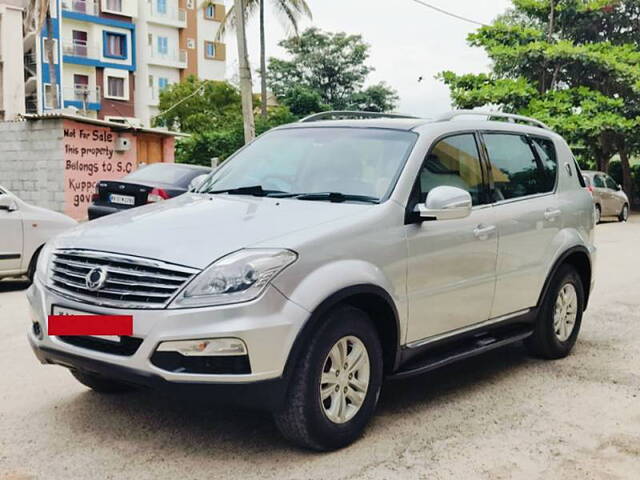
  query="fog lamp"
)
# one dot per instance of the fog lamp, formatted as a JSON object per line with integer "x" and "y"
{"x": 208, "y": 347}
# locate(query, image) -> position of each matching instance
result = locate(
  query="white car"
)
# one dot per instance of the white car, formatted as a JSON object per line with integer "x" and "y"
{"x": 24, "y": 229}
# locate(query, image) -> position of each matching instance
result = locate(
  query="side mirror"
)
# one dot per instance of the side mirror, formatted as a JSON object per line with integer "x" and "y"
{"x": 8, "y": 204}
{"x": 445, "y": 203}
{"x": 197, "y": 182}
{"x": 619, "y": 187}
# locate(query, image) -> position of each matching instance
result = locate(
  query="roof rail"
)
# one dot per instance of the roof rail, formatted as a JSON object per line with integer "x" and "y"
{"x": 350, "y": 115}
{"x": 510, "y": 116}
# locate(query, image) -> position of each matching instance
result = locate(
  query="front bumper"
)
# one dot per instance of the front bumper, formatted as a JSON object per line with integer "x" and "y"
{"x": 268, "y": 326}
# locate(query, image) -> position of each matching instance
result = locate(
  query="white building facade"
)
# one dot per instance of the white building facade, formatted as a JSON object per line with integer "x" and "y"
{"x": 176, "y": 39}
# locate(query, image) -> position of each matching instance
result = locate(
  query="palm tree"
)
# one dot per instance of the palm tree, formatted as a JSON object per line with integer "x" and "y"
{"x": 290, "y": 11}
{"x": 246, "y": 87}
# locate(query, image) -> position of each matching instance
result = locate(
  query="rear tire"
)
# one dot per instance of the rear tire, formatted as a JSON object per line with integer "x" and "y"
{"x": 624, "y": 213}
{"x": 560, "y": 316}
{"x": 101, "y": 384}
{"x": 598, "y": 214}
{"x": 311, "y": 419}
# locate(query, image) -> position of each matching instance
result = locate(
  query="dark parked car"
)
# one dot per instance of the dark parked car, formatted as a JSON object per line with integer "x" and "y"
{"x": 149, "y": 184}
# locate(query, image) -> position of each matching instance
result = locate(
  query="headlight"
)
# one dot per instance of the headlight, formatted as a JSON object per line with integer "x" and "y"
{"x": 44, "y": 261}
{"x": 238, "y": 277}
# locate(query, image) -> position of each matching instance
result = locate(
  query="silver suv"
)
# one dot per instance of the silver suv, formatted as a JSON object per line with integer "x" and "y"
{"x": 326, "y": 257}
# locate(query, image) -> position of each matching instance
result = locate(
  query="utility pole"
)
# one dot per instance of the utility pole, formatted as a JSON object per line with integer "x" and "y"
{"x": 246, "y": 87}
{"x": 263, "y": 64}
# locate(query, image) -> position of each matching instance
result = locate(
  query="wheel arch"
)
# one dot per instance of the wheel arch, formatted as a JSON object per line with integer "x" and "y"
{"x": 579, "y": 258}
{"x": 373, "y": 300}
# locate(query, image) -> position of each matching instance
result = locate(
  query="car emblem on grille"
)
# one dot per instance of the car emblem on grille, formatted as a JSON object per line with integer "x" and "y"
{"x": 96, "y": 278}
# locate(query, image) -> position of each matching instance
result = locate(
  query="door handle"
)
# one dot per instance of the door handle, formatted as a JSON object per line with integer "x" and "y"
{"x": 482, "y": 232}
{"x": 551, "y": 214}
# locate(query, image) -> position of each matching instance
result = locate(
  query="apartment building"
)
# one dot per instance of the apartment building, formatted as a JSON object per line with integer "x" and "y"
{"x": 110, "y": 59}
{"x": 176, "y": 38}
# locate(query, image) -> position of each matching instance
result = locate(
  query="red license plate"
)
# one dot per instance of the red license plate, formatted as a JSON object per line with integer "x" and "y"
{"x": 71, "y": 325}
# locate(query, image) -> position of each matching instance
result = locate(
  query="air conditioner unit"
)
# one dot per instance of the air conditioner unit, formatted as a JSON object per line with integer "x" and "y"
{"x": 123, "y": 144}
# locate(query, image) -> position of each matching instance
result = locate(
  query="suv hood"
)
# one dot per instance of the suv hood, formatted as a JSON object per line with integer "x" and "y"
{"x": 194, "y": 230}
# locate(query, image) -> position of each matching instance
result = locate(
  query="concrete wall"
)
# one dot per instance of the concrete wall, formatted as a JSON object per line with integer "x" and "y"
{"x": 32, "y": 162}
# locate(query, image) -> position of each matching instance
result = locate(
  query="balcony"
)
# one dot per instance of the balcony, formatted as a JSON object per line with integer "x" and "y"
{"x": 80, "y": 48}
{"x": 82, "y": 97}
{"x": 169, "y": 16}
{"x": 86, "y": 7}
{"x": 172, "y": 58}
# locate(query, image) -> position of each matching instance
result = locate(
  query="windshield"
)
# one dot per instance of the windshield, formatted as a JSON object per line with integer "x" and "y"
{"x": 165, "y": 173}
{"x": 353, "y": 162}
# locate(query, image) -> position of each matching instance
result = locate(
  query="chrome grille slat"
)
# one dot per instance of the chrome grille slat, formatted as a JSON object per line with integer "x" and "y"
{"x": 122, "y": 271}
{"x": 117, "y": 281}
{"x": 111, "y": 291}
{"x": 131, "y": 282}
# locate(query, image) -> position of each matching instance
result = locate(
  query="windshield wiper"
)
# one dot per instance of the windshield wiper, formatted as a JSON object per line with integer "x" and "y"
{"x": 254, "y": 190}
{"x": 336, "y": 197}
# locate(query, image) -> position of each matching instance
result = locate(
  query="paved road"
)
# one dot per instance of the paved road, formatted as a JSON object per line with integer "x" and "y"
{"x": 503, "y": 415}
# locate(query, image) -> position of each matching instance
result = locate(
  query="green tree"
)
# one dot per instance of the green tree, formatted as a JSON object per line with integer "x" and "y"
{"x": 290, "y": 12}
{"x": 573, "y": 64}
{"x": 197, "y": 105}
{"x": 334, "y": 66}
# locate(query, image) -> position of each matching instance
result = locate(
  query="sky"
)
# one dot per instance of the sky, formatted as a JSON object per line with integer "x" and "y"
{"x": 407, "y": 41}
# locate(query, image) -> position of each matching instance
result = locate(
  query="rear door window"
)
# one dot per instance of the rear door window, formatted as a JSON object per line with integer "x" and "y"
{"x": 520, "y": 166}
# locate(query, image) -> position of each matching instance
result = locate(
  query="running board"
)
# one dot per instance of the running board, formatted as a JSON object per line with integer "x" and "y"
{"x": 470, "y": 348}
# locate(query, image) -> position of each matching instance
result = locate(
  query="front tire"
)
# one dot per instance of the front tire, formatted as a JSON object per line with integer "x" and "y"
{"x": 101, "y": 384}
{"x": 335, "y": 386}
{"x": 560, "y": 316}
{"x": 624, "y": 213}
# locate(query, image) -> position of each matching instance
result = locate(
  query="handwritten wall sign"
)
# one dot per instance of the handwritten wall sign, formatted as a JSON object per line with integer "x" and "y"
{"x": 90, "y": 156}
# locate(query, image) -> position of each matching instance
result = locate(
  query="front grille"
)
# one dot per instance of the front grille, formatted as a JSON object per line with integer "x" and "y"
{"x": 126, "y": 347}
{"x": 129, "y": 282}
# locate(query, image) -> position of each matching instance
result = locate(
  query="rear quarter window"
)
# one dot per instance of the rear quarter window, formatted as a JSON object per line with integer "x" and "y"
{"x": 521, "y": 165}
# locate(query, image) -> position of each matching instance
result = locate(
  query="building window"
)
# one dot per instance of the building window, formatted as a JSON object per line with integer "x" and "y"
{"x": 210, "y": 11}
{"x": 163, "y": 83}
{"x": 161, "y": 6}
{"x": 163, "y": 45}
{"x": 48, "y": 94}
{"x": 114, "y": 5}
{"x": 115, "y": 45}
{"x": 81, "y": 87}
{"x": 210, "y": 49}
{"x": 79, "y": 44}
{"x": 151, "y": 81}
{"x": 115, "y": 87}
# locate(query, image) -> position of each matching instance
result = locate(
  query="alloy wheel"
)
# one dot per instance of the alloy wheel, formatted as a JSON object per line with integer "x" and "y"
{"x": 565, "y": 312}
{"x": 345, "y": 379}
